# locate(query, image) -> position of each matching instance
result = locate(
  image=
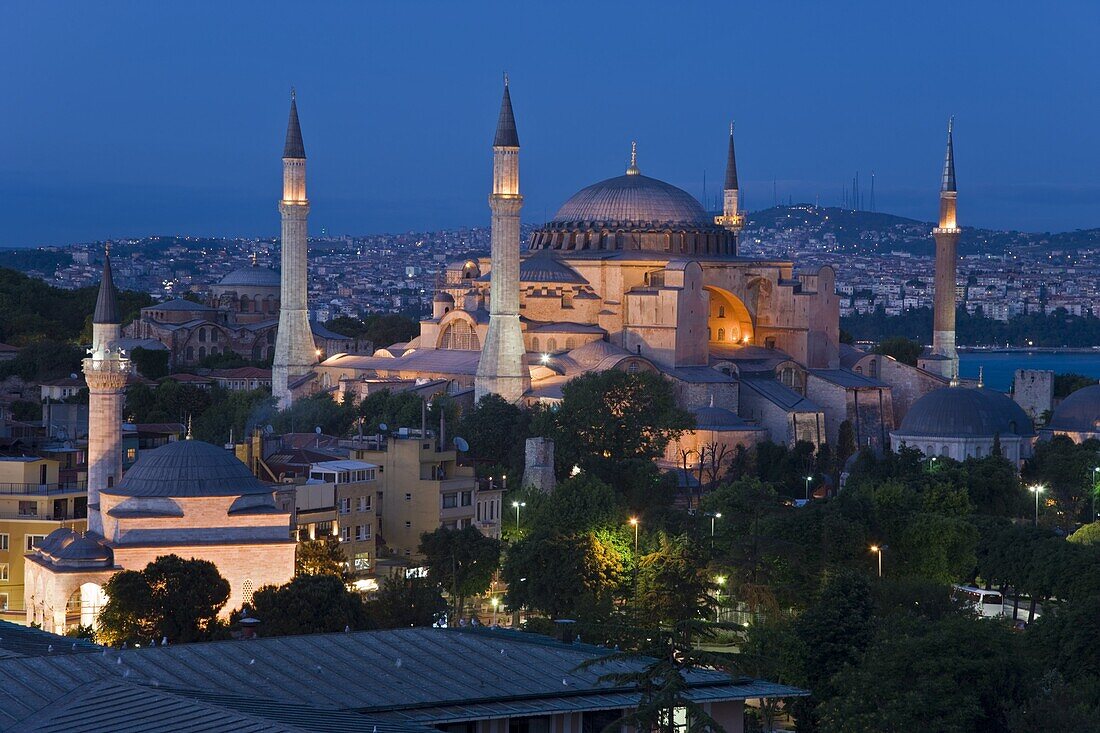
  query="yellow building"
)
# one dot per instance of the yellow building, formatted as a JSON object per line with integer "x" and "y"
{"x": 422, "y": 488}
{"x": 33, "y": 503}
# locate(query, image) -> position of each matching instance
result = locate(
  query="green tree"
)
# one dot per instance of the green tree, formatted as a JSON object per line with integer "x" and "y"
{"x": 1068, "y": 383}
{"x": 904, "y": 350}
{"x": 42, "y": 360}
{"x": 579, "y": 504}
{"x": 938, "y": 548}
{"x": 497, "y": 432}
{"x": 403, "y": 602}
{"x": 394, "y": 409}
{"x": 150, "y": 363}
{"x": 461, "y": 561}
{"x": 317, "y": 410}
{"x": 1087, "y": 534}
{"x": 674, "y": 586}
{"x": 322, "y": 556}
{"x": 170, "y": 598}
{"x": 608, "y": 419}
{"x": 380, "y": 329}
{"x": 308, "y": 604}
{"x": 558, "y": 574}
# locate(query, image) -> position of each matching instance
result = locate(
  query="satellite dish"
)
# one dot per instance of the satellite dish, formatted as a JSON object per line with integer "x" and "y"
{"x": 461, "y": 444}
{"x": 317, "y": 430}
{"x": 72, "y": 376}
{"x": 269, "y": 429}
{"x": 382, "y": 427}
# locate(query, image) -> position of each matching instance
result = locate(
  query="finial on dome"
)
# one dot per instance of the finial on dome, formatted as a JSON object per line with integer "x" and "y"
{"x": 505, "y": 78}
{"x": 981, "y": 376}
{"x": 254, "y": 258}
{"x": 632, "y": 169}
{"x": 712, "y": 400}
{"x": 188, "y": 427}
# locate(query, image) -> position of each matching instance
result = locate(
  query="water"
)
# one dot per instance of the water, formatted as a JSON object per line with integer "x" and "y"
{"x": 1001, "y": 366}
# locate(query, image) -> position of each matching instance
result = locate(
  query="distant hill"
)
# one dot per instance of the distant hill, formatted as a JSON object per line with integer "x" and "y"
{"x": 869, "y": 232}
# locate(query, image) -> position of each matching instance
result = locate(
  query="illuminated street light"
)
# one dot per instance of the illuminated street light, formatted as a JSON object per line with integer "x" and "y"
{"x": 808, "y": 480}
{"x": 719, "y": 580}
{"x": 517, "y": 505}
{"x": 634, "y": 522}
{"x": 1036, "y": 489}
{"x": 878, "y": 551}
{"x": 716, "y": 515}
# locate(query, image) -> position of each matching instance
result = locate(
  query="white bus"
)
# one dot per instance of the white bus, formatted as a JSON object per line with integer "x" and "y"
{"x": 986, "y": 603}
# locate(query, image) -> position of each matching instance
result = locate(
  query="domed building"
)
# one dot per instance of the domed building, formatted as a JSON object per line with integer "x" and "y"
{"x": 186, "y": 498}
{"x": 240, "y": 316}
{"x": 1078, "y": 416}
{"x": 963, "y": 422}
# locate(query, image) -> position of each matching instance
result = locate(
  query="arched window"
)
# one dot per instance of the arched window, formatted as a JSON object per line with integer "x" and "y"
{"x": 246, "y": 591}
{"x": 202, "y": 352}
{"x": 202, "y": 335}
{"x": 721, "y": 334}
{"x": 551, "y": 344}
{"x": 460, "y": 335}
{"x": 721, "y": 311}
{"x": 190, "y": 353}
{"x": 534, "y": 343}
{"x": 245, "y": 304}
{"x": 570, "y": 344}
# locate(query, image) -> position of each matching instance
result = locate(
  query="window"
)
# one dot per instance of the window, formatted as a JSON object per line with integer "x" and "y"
{"x": 408, "y": 497}
{"x": 450, "y": 501}
{"x": 131, "y": 455}
{"x": 361, "y": 561}
{"x": 362, "y": 532}
{"x": 721, "y": 311}
{"x": 28, "y": 508}
{"x": 345, "y": 505}
{"x": 246, "y": 591}
{"x": 3, "y": 601}
{"x": 721, "y": 334}
{"x": 324, "y": 528}
{"x": 3, "y": 571}
{"x": 467, "y": 498}
{"x": 363, "y": 504}
{"x": 408, "y": 525}
{"x": 34, "y": 540}
{"x": 3, "y": 542}
{"x": 345, "y": 534}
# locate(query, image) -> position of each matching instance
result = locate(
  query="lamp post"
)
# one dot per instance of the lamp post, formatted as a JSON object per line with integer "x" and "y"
{"x": 878, "y": 551}
{"x": 1036, "y": 489}
{"x": 495, "y": 603}
{"x": 808, "y": 480}
{"x": 634, "y": 522}
{"x": 715, "y": 515}
{"x": 720, "y": 581}
{"x": 517, "y": 505}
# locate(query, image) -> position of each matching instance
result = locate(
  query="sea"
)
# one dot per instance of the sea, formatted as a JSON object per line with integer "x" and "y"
{"x": 999, "y": 367}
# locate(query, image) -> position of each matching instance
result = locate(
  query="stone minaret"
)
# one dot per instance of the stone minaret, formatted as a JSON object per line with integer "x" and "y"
{"x": 106, "y": 370}
{"x": 731, "y": 217}
{"x": 947, "y": 240}
{"x": 502, "y": 369}
{"x": 295, "y": 352}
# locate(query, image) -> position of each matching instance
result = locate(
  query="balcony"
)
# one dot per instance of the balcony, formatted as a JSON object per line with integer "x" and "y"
{"x": 67, "y": 487}
{"x": 43, "y": 517}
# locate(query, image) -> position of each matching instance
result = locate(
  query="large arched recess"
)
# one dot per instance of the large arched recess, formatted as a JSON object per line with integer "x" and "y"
{"x": 729, "y": 322}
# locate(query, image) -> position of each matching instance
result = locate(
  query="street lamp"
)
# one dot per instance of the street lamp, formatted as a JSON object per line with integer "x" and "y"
{"x": 495, "y": 603}
{"x": 878, "y": 551}
{"x": 634, "y": 523}
{"x": 517, "y": 505}
{"x": 720, "y": 581}
{"x": 808, "y": 480}
{"x": 716, "y": 515}
{"x": 1036, "y": 489}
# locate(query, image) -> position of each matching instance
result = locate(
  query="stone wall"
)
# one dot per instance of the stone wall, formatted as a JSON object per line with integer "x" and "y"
{"x": 1033, "y": 390}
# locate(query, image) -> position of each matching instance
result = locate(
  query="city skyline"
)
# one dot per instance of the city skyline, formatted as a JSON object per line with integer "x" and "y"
{"x": 105, "y": 146}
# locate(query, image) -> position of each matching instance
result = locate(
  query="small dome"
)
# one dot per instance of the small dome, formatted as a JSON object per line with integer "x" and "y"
{"x": 86, "y": 549}
{"x": 261, "y": 277}
{"x": 56, "y": 540}
{"x": 188, "y": 468}
{"x": 443, "y": 297}
{"x": 965, "y": 412}
{"x": 633, "y": 199}
{"x": 1078, "y": 413}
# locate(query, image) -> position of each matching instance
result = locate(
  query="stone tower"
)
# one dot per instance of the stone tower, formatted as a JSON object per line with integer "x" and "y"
{"x": 945, "y": 359}
{"x": 106, "y": 370}
{"x": 731, "y": 217}
{"x": 295, "y": 352}
{"x": 502, "y": 369}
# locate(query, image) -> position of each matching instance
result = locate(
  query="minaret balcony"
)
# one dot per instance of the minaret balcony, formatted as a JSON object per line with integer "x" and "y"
{"x": 734, "y": 223}
{"x": 946, "y": 230}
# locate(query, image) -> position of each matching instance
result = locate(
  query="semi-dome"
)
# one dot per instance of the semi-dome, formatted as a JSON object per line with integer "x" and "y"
{"x": 252, "y": 277}
{"x": 633, "y": 200}
{"x": 188, "y": 468}
{"x": 1078, "y": 413}
{"x": 965, "y": 412}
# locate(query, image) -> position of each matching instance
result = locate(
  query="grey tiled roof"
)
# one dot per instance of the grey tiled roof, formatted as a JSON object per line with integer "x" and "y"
{"x": 780, "y": 395}
{"x": 846, "y": 378}
{"x": 428, "y": 675}
{"x": 253, "y": 277}
{"x": 23, "y": 641}
{"x": 546, "y": 268}
{"x": 965, "y": 412}
{"x": 188, "y": 468}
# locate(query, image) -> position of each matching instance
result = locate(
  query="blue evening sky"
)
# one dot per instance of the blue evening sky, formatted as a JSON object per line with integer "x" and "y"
{"x": 127, "y": 119}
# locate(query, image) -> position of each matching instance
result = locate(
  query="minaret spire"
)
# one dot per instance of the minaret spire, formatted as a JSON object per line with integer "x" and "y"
{"x": 731, "y": 218}
{"x": 945, "y": 358}
{"x": 106, "y": 304}
{"x": 295, "y": 352}
{"x": 502, "y": 368}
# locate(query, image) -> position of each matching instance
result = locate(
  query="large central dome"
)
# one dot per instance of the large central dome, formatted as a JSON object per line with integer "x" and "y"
{"x": 632, "y": 200}
{"x": 634, "y": 213}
